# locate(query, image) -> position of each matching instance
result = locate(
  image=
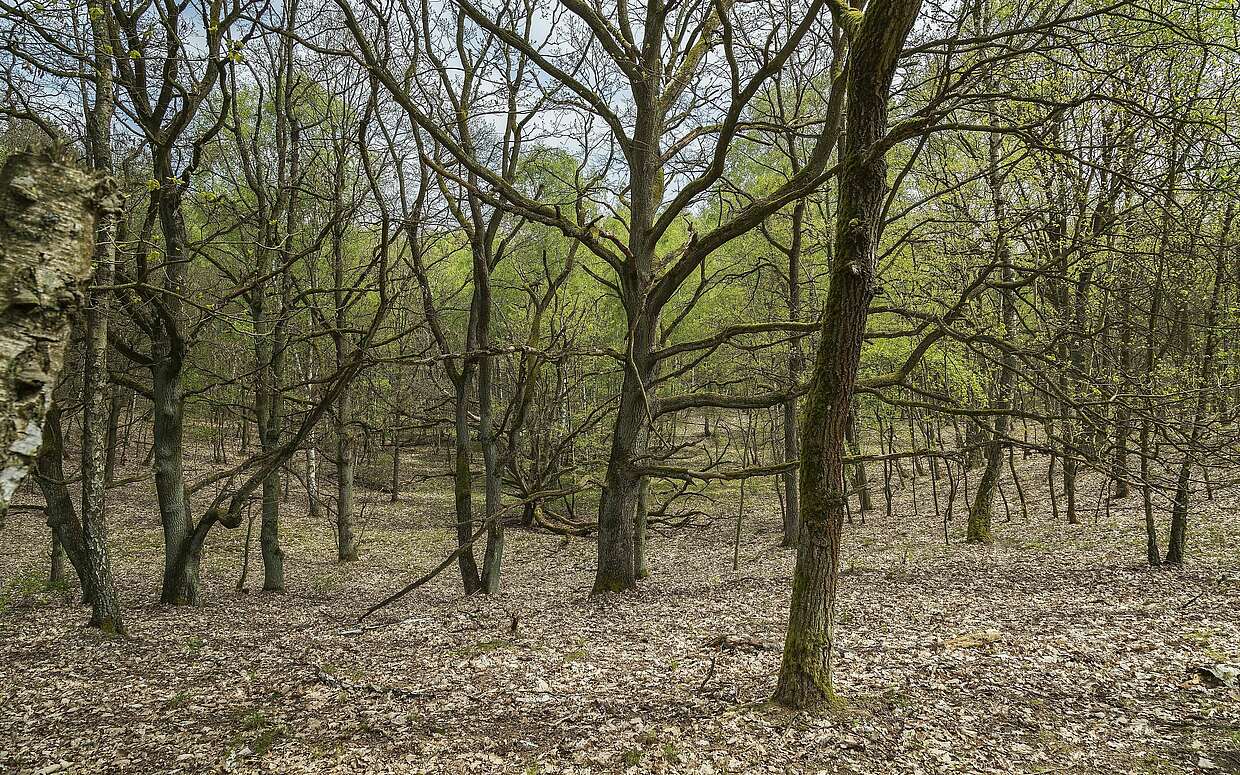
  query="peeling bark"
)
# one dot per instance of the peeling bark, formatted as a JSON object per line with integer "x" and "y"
{"x": 47, "y": 219}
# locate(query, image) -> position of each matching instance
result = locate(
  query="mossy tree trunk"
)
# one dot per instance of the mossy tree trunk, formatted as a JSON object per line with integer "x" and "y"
{"x": 875, "y": 39}
{"x": 61, "y": 514}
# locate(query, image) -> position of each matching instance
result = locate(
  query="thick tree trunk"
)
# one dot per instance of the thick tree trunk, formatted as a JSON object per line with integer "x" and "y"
{"x": 876, "y": 40}
{"x": 56, "y": 565}
{"x": 1179, "y": 513}
{"x": 180, "y": 584}
{"x": 617, "y": 564}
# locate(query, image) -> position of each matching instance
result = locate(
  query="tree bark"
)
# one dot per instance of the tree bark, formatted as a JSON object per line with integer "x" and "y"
{"x": 462, "y": 482}
{"x": 876, "y": 38}
{"x": 59, "y": 509}
{"x": 48, "y": 211}
{"x": 796, "y": 363}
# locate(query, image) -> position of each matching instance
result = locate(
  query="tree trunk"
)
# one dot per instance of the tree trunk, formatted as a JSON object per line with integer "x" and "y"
{"x": 616, "y": 556}
{"x": 1206, "y": 376}
{"x": 180, "y": 584}
{"x": 641, "y": 568}
{"x": 56, "y": 565}
{"x": 981, "y": 513}
{"x": 493, "y": 557}
{"x": 860, "y": 479}
{"x": 796, "y": 363}
{"x": 116, "y": 403}
{"x": 471, "y": 579}
{"x": 346, "y": 538}
{"x": 1152, "y": 554}
{"x": 876, "y": 39}
{"x": 60, "y": 512}
{"x": 106, "y": 612}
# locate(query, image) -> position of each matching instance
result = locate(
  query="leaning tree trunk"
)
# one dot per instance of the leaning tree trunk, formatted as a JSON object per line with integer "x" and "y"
{"x": 47, "y": 224}
{"x": 60, "y": 512}
{"x": 875, "y": 39}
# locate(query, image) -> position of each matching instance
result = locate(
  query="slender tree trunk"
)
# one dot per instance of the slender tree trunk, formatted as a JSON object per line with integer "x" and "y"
{"x": 876, "y": 38}
{"x": 981, "y": 513}
{"x": 269, "y": 529}
{"x": 116, "y": 403}
{"x": 796, "y": 364}
{"x": 1152, "y": 554}
{"x": 346, "y": 538}
{"x": 1205, "y": 376}
{"x": 105, "y": 608}
{"x": 860, "y": 479}
{"x": 641, "y": 523}
{"x": 493, "y": 558}
{"x": 61, "y": 515}
{"x": 462, "y": 483}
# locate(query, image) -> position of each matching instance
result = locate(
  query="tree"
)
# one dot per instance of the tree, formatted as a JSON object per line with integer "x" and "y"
{"x": 875, "y": 40}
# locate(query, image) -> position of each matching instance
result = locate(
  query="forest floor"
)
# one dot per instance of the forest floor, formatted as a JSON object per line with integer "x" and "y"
{"x": 1053, "y": 650}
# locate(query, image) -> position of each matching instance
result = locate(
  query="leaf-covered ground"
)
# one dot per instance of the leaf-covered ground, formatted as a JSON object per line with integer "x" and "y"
{"x": 1054, "y": 650}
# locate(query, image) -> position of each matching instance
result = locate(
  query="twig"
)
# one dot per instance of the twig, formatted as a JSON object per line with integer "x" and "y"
{"x": 1221, "y": 580}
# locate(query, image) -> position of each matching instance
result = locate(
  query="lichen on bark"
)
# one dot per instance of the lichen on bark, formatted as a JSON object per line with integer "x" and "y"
{"x": 47, "y": 214}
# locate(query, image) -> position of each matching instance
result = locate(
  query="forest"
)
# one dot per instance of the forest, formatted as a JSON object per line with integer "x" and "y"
{"x": 619, "y": 386}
